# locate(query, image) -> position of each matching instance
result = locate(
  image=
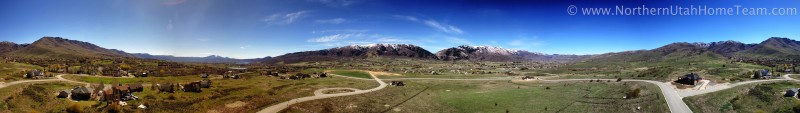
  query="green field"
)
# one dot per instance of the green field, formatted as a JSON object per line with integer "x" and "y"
{"x": 11, "y": 71}
{"x": 36, "y": 97}
{"x": 429, "y": 96}
{"x": 765, "y": 98}
{"x": 253, "y": 91}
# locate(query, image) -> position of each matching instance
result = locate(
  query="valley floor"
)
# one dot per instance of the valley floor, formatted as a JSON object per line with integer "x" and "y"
{"x": 492, "y": 94}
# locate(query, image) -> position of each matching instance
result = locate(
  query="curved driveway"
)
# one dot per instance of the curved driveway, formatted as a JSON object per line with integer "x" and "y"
{"x": 319, "y": 95}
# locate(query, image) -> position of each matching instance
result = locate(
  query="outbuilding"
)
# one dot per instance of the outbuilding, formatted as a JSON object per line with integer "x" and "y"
{"x": 792, "y": 92}
{"x": 689, "y": 79}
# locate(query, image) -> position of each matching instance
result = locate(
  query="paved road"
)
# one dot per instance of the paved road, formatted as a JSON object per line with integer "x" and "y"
{"x": 318, "y": 95}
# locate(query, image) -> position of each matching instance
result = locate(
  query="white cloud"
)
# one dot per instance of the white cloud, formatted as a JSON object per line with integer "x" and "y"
{"x": 341, "y": 31}
{"x": 356, "y": 39}
{"x": 331, "y": 21}
{"x": 244, "y": 47}
{"x": 516, "y": 43}
{"x": 287, "y": 18}
{"x": 443, "y": 27}
{"x": 409, "y": 18}
{"x": 391, "y": 40}
{"x": 434, "y": 24}
{"x": 525, "y": 43}
{"x": 331, "y": 38}
{"x": 335, "y": 3}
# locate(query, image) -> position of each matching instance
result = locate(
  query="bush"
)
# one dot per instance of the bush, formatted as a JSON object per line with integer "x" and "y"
{"x": 619, "y": 79}
{"x": 114, "y": 108}
{"x": 633, "y": 93}
{"x": 75, "y": 108}
{"x": 796, "y": 107}
{"x": 762, "y": 93}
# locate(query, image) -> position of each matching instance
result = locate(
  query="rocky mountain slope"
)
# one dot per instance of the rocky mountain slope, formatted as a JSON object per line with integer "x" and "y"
{"x": 489, "y": 53}
{"x": 358, "y": 51}
{"x": 774, "y": 47}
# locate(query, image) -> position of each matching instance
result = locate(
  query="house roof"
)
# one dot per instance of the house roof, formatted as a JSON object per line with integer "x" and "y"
{"x": 81, "y": 89}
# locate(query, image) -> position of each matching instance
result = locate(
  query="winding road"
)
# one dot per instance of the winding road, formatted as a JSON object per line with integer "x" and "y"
{"x": 319, "y": 95}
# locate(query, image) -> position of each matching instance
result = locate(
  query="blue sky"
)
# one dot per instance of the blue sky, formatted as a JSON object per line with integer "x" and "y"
{"x": 258, "y": 28}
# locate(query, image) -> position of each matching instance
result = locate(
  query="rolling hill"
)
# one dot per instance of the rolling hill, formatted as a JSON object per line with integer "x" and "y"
{"x": 774, "y": 47}
{"x": 49, "y": 47}
{"x": 6, "y": 47}
{"x": 207, "y": 59}
{"x": 677, "y": 53}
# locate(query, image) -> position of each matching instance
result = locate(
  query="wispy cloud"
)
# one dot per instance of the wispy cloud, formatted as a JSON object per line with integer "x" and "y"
{"x": 244, "y": 47}
{"x": 285, "y": 18}
{"x": 331, "y": 21}
{"x": 525, "y": 43}
{"x": 356, "y": 39}
{"x": 335, "y": 3}
{"x": 341, "y": 31}
{"x": 335, "y": 37}
{"x": 434, "y": 24}
{"x": 173, "y": 2}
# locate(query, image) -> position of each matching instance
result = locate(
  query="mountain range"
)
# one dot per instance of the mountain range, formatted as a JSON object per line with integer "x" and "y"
{"x": 207, "y": 59}
{"x": 57, "y": 47}
{"x": 775, "y": 47}
{"x": 490, "y": 53}
{"x": 684, "y": 52}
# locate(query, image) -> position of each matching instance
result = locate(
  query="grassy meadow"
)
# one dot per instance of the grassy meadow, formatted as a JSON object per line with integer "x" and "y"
{"x": 426, "y": 96}
{"x": 751, "y": 98}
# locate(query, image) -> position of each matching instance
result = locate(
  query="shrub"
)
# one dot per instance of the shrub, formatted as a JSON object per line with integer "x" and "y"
{"x": 75, "y": 108}
{"x": 114, "y": 108}
{"x": 619, "y": 79}
{"x": 633, "y": 93}
{"x": 763, "y": 93}
{"x": 796, "y": 107}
